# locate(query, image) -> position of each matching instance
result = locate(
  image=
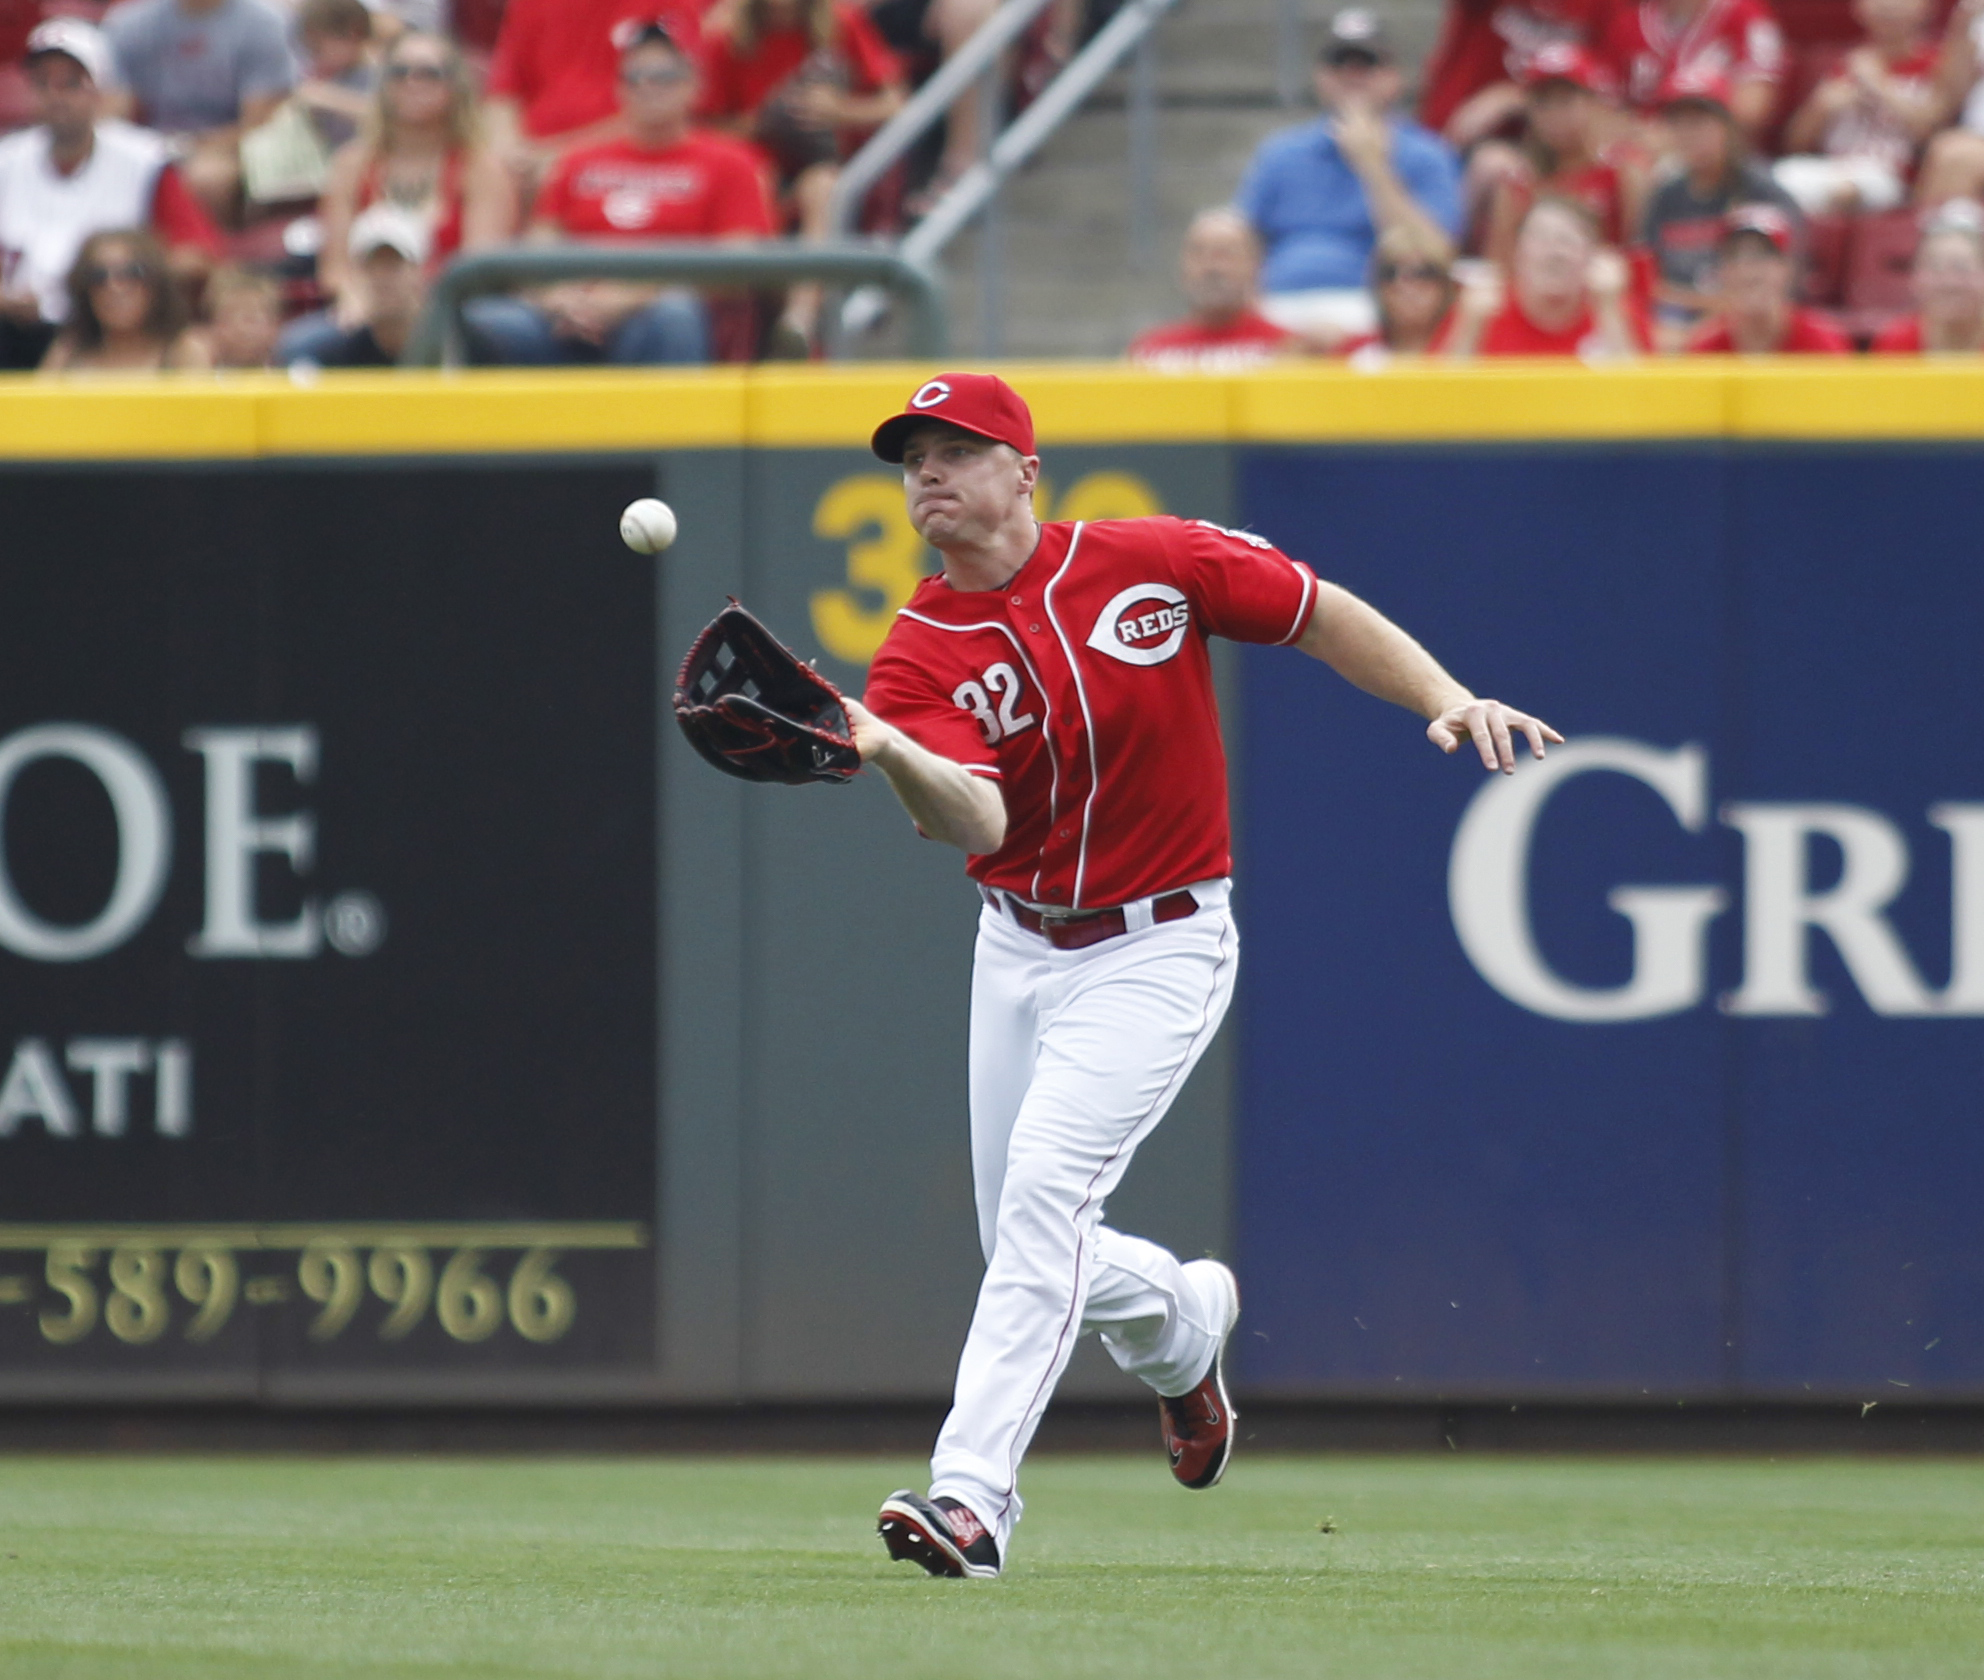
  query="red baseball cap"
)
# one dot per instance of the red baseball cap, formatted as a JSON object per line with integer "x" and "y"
{"x": 1766, "y": 221}
{"x": 1692, "y": 85}
{"x": 1565, "y": 61}
{"x": 980, "y": 403}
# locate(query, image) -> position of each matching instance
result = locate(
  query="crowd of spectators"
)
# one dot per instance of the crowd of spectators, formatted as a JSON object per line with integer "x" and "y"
{"x": 242, "y": 183}
{"x": 1609, "y": 179}
{"x": 239, "y": 149}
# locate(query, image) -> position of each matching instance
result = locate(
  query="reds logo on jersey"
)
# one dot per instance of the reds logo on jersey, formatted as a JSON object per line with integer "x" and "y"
{"x": 1143, "y": 625}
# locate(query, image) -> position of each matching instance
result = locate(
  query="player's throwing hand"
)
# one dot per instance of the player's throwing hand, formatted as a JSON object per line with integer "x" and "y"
{"x": 1492, "y": 727}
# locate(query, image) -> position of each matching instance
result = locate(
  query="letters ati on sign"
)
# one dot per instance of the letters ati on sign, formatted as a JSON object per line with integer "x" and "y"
{"x": 1488, "y": 892}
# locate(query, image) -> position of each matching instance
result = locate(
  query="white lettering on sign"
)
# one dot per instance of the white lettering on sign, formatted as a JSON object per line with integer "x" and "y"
{"x": 237, "y": 834}
{"x": 1488, "y": 889}
{"x": 1488, "y": 893}
{"x": 144, "y": 841}
{"x": 34, "y": 1088}
{"x": 1146, "y": 637}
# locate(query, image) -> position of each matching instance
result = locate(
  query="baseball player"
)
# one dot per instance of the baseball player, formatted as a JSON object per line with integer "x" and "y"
{"x": 1046, "y": 704}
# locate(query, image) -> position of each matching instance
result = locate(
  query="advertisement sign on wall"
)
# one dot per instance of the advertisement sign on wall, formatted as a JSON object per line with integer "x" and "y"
{"x": 326, "y": 926}
{"x": 1653, "y": 1069}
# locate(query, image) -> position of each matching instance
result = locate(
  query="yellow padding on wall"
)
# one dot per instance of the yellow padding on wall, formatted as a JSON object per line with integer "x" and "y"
{"x": 619, "y": 410}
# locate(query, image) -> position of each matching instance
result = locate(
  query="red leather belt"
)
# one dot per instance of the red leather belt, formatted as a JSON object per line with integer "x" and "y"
{"x": 1075, "y": 930}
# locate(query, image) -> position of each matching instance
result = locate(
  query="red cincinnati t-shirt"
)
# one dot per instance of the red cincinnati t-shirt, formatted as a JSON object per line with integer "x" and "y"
{"x": 1513, "y": 333}
{"x": 705, "y": 186}
{"x": 736, "y": 83}
{"x": 1249, "y": 339}
{"x": 1806, "y": 335}
{"x": 1483, "y": 42}
{"x": 1737, "y": 39}
{"x": 1085, "y": 687}
{"x": 556, "y": 58}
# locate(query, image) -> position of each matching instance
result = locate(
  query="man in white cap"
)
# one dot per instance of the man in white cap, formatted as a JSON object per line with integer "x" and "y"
{"x": 75, "y": 173}
{"x": 389, "y": 250}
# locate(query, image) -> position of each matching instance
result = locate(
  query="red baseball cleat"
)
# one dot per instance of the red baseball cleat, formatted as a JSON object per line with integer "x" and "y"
{"x": 943, "y": 1535}
{"x": 1198, "y": 1427}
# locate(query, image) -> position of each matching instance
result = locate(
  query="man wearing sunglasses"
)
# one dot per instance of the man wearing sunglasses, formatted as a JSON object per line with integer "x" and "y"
{"x": 665, "y": 180}
{"x": 75, "y": 173}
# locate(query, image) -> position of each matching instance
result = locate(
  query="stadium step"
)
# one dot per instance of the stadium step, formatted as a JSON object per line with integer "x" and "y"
{"x": 1070, "y": 286}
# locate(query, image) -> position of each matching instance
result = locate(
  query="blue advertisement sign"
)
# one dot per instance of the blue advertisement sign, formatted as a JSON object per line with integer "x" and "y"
{"x": 1656, "y": 1069}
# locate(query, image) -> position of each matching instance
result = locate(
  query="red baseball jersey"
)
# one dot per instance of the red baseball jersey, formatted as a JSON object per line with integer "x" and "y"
{"x": 1085, "y": 687}
{"x": 1736, "y": 39}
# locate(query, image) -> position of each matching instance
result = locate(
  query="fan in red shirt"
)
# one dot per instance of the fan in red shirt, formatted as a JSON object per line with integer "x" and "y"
{"x": 1220, "y": 265}
{"x": 1756, "y": 273}
{"x": 665, "y": 180}
{"x": 803, "y": 80}
{"x": 1647, "y": 42}
{"x": 552, "y": 79}
{"x": 1473, "y": 78}
{"x": 1567, "y": 296}
{"x": 1949, "y": 290}
{"x": 1565, "y": 88}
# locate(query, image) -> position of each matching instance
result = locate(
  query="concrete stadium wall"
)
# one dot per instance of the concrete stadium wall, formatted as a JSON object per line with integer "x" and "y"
{"x": 429, "y": 1151}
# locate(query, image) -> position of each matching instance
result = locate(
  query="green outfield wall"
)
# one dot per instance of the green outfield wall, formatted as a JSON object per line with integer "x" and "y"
{"x": 396, "y": 1010}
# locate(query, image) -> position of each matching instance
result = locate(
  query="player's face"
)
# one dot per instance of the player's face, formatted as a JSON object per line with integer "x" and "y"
{"x": 962, "y": 489}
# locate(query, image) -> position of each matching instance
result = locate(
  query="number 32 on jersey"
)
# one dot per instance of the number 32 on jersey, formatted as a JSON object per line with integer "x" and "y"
{"x": 993, "y": 700}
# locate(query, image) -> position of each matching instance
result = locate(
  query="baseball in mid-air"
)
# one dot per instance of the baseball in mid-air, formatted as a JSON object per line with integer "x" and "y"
{"x": 648, "y": 526}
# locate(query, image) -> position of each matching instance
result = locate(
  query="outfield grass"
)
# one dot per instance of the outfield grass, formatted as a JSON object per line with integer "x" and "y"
{"x": 167, "y": 1569}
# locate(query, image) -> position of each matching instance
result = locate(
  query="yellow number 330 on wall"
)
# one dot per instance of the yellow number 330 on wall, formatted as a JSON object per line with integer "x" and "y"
{"x": 886, "y": 559}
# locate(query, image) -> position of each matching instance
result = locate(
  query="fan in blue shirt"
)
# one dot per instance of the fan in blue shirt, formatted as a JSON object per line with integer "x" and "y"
{"x": 1320, "y": 195}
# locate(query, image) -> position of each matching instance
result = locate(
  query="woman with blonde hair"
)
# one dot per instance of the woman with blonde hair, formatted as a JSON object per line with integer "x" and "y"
{"x": 1413, "y": 287}
{"x": 421, "y": 150}
{"x": 126, "y": 314}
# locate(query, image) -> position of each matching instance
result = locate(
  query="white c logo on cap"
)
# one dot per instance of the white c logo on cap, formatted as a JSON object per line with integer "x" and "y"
{"x": 929, "y": 396}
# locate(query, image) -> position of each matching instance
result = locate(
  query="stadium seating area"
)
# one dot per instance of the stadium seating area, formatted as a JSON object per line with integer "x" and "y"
{"x": 793, "y": 86}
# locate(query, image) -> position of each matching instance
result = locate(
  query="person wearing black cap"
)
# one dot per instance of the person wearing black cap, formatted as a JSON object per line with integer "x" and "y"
{"x": 1321, "y": 194}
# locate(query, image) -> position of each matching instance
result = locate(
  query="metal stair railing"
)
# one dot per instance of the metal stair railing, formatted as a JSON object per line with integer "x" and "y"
{"x": 929, "y": 105}
{"x": 1004, "y": 153}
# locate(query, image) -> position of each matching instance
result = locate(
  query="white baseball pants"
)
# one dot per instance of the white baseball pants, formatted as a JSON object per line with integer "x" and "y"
{"x": 1075, "y": 1057}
